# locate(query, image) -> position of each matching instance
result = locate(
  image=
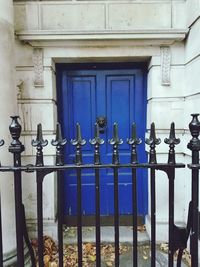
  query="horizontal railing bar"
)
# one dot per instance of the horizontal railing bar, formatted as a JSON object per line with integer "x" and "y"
{"x": 52, "y": 168}
{"x": 194, "y": 166}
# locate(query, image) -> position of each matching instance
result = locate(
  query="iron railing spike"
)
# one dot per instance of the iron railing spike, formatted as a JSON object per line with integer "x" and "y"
{"x": 59, "y": 141}
{"x": 78, "y": 142}
{"x": 172, "y": 140}
{"x": 134, "y": 141}
{"x": 134, "y": 135}
{"x": 115, "y": 142}
{"x": 172, "y": 131}
{"x": 96, "y": 139}
{"x": 152, "y": 131}
{"x": 58, "y": 132}
{"x": 39, "y": 139}
{"x": 78, "y": 132}
{"x": 96, "y": 130}
{"x": 152, "y": 141}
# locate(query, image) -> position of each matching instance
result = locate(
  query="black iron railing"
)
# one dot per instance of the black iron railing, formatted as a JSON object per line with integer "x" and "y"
{"x": 178, "y": 237}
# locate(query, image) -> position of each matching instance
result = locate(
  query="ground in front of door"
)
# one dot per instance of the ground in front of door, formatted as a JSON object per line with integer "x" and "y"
{"x": 107, "y": 249}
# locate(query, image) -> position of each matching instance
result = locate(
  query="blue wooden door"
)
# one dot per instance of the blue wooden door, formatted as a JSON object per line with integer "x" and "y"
{"x": 120, "y": 96}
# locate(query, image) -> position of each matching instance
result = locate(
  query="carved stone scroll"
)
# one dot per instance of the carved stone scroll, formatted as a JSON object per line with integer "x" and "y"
{"x": 38, "y": 67}
{"x": 165, "y": 64}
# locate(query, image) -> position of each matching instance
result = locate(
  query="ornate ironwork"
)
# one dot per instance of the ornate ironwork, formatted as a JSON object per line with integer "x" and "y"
{"x": 59, "y": 142}
{"x": 39, "y": 143}
{"x": 134, "y": 141}
{"x": 115, "y": 142}
{"x": 172, "y": 141}
{"x": 152, "y": 141}
{"x": 78, "y": 143}
{"x": 96, "y": 142}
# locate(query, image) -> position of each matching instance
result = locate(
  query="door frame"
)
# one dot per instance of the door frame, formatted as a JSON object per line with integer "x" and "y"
{"x": 63, "y": 67}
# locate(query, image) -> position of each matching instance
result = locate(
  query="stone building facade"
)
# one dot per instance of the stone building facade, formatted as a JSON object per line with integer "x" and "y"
{"x": 165, "y": 34}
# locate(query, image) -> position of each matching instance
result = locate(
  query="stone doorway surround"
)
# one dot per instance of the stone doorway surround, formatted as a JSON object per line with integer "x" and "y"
{"x": 157, "y": 48}
{"x": 50, "y": 32}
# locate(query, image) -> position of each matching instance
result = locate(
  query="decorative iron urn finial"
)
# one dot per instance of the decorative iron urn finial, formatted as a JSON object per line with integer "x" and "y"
{"x": 15, "y": 131}
{"x": 194, "y": 126}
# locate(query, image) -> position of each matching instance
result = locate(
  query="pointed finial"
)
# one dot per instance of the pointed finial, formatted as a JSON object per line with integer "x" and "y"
{"x": 134, "y": 141}
{"x": 115, "y": 142}
{"x": 59, "y": 142}
{"x": 172, "y": 137}
{"x": 152, "y": 141}
{"x": 172, "y": 141}
{"x": 39, "y": 143}
{"x": 39, "y": 139}
{"x": 152, "y": 138}
{"x": 78, "y": 142}
{"x": 96, "y": 141}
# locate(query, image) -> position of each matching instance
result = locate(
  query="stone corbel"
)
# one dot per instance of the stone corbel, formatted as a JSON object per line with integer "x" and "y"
{"x": 38, "y": 67}
{"x": 165, "y": 65}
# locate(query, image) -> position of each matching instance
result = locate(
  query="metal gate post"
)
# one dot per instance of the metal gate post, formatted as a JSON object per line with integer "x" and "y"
{"x": 194, "y": 146}
{"x": 17, "y": 148}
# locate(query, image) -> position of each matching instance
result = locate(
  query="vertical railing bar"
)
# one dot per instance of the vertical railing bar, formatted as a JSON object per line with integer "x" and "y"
{"x": 152, "y": 141}
{"x": 78, "y": 143}
{"x": 1, "y": 237}
{"x": 39, "y": 143}
{"x": 97, "y": 209}
{"x": 134, "y": 141}
{"x": 60, "y": 218}
{"x": 115, "y": 142}
{"x": 97, "y": 141}
{"x": 194, "y": 146}
{"x": 171, "y": 141}
{"x": 59, "y": 142}
{"x": 27, "y": 240}
{"x": 18, "y": 216}
{"x": 195, "y": 215}
{"x": 39, "y": 179}
{"x": 79, "y": 217}
{"x": 116, "y": 216}
{"x": 135, "y": 236}
{"x": 171, "y": 218}
{"x": 17, "y": 148}
{"x": 153, "y": 218}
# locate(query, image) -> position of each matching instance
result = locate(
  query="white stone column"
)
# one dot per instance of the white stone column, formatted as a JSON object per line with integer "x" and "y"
{"x": 8, "y": 106}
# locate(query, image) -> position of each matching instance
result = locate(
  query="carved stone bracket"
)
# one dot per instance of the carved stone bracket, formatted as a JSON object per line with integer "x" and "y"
{"x": 38, "y": 67}
{"x": 165, "y": 64}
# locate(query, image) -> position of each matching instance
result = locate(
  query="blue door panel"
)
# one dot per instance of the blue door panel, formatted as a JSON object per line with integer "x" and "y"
{"x": 120, "y": 96}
